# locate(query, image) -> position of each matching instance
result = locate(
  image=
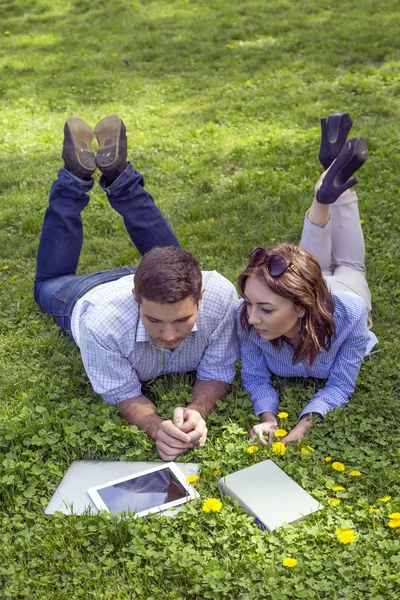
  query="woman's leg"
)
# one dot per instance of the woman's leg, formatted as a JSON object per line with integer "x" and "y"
{"x": 316, "y": 235}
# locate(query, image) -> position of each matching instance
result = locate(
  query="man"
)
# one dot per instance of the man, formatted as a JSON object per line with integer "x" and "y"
{"x": 176, "y": 319}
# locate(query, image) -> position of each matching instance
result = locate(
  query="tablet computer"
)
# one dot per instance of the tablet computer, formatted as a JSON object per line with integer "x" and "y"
{"x": 149, "y": 491}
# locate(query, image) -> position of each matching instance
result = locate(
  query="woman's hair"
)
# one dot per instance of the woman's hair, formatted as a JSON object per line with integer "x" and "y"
{"x": 167, "y": 275}
{"x": 307, "y": 290}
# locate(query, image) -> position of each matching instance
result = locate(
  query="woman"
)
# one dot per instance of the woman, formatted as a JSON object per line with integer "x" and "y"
{"x": 307, "y": 308}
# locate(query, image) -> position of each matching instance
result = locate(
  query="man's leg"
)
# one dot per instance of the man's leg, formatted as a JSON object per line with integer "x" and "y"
{"x": 146, "y": 225}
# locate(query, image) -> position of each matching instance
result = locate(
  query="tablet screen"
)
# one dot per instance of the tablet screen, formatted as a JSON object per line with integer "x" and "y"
{"x": 143, "y": 492}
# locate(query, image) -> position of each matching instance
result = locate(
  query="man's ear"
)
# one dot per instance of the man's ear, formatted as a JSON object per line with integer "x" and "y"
{"x": 201, "y": 297}
{"x": 135, "y": 297}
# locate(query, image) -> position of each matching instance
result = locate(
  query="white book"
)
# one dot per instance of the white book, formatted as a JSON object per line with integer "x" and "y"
{"x": 269, "y": 495}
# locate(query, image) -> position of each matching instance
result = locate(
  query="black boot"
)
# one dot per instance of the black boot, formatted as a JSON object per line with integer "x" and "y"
{"x": 334, "y": 132}
{"x": 351, "y": 157}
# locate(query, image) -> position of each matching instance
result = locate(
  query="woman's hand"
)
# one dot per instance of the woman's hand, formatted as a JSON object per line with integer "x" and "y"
{"x": 266, "y": 428}
{"x": 299, "y": 430}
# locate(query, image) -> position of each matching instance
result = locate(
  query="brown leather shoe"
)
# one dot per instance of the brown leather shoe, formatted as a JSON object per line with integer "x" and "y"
{"x": 77, "y": 151}
{"x": 111, "y": 155}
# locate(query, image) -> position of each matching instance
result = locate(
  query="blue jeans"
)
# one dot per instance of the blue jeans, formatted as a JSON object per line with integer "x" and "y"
{"x": 57, "y": 287}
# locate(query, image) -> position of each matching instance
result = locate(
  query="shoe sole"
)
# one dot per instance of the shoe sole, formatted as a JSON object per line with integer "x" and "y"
{"x": 358, "y": 157}
{"x": 82, "y": 135}
{"x": 107, "y": 132}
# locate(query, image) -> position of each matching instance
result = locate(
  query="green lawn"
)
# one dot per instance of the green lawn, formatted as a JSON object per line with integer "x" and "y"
{"x": 221, "y": 101}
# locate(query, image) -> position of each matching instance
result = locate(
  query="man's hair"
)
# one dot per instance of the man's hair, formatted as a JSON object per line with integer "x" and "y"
{"x": 167, "y": 275}
{"x": 308, "y": 291}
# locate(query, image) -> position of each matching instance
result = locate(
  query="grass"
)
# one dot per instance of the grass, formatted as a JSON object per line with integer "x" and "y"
{"x": 221, "y": 102}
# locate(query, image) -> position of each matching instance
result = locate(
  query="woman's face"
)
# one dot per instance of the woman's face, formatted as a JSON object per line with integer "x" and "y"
{"x": 271, "y": 315}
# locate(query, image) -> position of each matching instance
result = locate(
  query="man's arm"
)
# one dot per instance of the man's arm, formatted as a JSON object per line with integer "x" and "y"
{"x": 170, "y": 440}
{"x": 205, "y": 395}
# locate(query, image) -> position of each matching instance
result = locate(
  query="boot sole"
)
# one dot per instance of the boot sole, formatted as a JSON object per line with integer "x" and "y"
{"x": 82, "y": 136}
{"x": 107, "y": 132}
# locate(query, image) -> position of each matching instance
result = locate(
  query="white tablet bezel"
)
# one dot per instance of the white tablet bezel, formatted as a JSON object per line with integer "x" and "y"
{"x": 191, "y": 493}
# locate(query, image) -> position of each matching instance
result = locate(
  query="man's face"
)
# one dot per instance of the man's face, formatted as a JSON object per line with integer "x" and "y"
{"x": 169, "y": 324}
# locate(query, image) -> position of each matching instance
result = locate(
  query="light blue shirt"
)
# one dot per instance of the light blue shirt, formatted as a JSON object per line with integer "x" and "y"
{"x": 118, "y": 353}
{"x": 340, "y": 365}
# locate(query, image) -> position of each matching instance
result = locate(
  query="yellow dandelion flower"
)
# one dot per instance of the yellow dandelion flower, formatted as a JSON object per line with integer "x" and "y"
{"x": 211, "y": 505}
{"x": 334, "y": 501}
{"x": 14, "y": 277}
{"x": 5, "y": 268}
{"x": 385, "y": 499}
{"x": 6, "y": 33}
{"x": 370, "y": 238}
{"x": 328, "y": 459}
{"x": 252, "y": 449}
{"x": 394, "y": 516}
{"x": 279, "y": 448}
{"x": 305, "y": 452}
{"x": 280, "y": 432}
{"x": 230, "y": 46}
{"x": 289, "y": 562}
{"x": 192, "y": 478}
{"x": 338, "y": 466}
{"x": 394, "y": 523}
{"x": 283, "y": 415}
{"x": 311, "y": 449}
{"x": 338, "y": 488}
{"x": 345, "y": 536}
{"x": 362, "y": 221}
{"x": 212, "y": 220}
{"x": 216, "y": 472}
{"x": 354, "y": 473}
{"x": 374, "y": 510}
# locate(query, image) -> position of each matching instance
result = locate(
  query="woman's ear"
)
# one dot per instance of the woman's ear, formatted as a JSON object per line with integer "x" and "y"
{"x": 300, "y": 311}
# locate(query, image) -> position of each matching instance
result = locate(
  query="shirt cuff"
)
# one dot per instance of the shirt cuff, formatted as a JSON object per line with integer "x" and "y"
{"x": 120, "y": 396}
{"x": 315, "y": 406}
{"x": 270, "y": 405}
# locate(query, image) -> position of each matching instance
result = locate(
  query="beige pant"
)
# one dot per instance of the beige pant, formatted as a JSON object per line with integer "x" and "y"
{"x": 339, "y": 248}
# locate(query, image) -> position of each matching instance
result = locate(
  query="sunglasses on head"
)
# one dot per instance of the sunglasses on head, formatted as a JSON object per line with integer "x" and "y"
{"x": 276, "y": 264}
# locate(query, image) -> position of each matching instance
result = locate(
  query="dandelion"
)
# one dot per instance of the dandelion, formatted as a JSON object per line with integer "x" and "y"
{"x": 328, "y": 459}
{"x": 216, "y": 472}
{"x": 192, "y": 478}
{"x": 385, "y": 499}
{"x": 283, "y": 415}
{"x": 338, "y": 466}
{"x": 252, "y": 449}
{"x": 311, "y": 449}
{"x": 230, "y": 46}
{"x": 5, "y": 268}
{"x": 362, "y": 221}
{"x": 211, "y": 505}
{"x": 345, "y": 536}
{"x": 212, "y": 220}
{"x": 289, "y": 562}
{"x": 338, "y": 488}
{"x": 394, "y": 516}
{"x": 374, "y": 510}
{"x": 279, "y": 448}
{"x": 14, "y": 277}
{"x": 6, "y": 33}
{"x": 280, "y": 432}
{"x": 334, "y": 501}
{"x": 370, "y": 238}
{"x": 394, "y": 523}
{"x": 354, "y": 473}
{"x": 305, "y": 452}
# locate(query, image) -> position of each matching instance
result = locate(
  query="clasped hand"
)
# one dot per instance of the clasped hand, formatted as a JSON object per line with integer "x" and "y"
{"x": 186, "y": 430}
